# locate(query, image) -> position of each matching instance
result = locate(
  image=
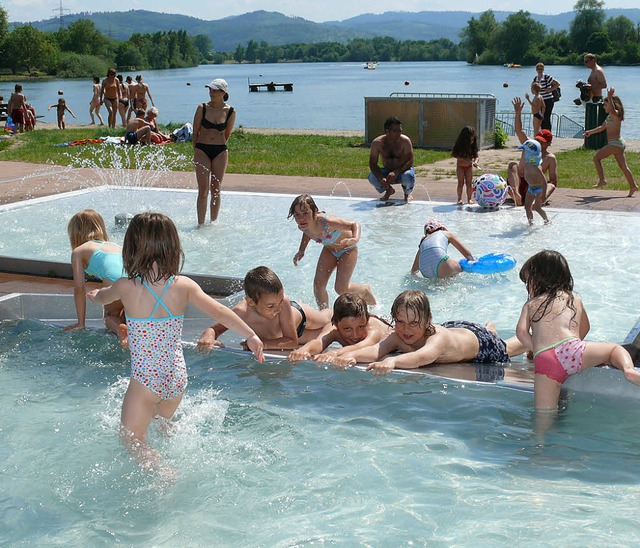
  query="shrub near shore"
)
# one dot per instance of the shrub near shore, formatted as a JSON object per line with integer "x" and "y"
{"x": 280, "y": 154}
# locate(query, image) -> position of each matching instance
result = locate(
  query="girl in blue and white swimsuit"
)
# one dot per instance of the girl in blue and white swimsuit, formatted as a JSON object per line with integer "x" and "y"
{"x": 95, "y": 255}
{"x": 340, "y": 240}
{"x": 432, "y": 259}
{"x": 155, "y": 297}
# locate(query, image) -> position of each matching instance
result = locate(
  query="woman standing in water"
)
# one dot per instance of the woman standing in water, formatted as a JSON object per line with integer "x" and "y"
{"x": 212, "y": 127}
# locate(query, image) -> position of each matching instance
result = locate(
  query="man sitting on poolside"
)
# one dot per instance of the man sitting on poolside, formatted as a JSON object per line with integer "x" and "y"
{"x": 396, "y": 151}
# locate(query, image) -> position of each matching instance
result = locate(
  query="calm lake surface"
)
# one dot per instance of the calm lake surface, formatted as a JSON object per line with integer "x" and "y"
{"x": 331, "y": 95}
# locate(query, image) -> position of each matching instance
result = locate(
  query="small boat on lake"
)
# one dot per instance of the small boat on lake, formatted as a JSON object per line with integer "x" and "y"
{"x": 512, "y": 65}
{"x": 371, "y": 65}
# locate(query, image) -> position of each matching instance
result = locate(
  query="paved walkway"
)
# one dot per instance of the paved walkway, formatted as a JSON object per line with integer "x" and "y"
{"x": 21, "y": 181}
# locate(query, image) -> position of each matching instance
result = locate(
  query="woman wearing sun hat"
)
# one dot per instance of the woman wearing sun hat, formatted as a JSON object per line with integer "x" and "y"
{"x": 212, "y": 127}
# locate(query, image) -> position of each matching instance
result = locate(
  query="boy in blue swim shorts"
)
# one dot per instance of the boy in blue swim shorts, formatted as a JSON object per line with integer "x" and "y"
{"x": 537, "y": 191}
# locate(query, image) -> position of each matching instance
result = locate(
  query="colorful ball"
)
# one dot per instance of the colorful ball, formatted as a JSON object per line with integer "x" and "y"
{"x": 490, "y": 190}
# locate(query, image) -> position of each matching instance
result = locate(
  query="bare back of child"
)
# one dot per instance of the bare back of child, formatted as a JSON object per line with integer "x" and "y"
{"x": 281, "y": 324}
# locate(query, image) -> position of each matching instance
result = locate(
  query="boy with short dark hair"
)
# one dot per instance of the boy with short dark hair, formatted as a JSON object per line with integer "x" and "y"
{"x": 278, "y": 321}
{"x": 351, "y": 326}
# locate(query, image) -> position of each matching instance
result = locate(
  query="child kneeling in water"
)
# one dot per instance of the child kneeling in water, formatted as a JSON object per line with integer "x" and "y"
{"x": 280, "y": 322}
{"x": 423, "y": 343}
{"x": 432, "y": 259}
{"x": 553, "y": 323}
{"x": 351, "y": 326}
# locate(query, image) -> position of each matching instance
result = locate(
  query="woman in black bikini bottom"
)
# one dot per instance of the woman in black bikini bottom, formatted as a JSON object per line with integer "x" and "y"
{"x": 211, "y": 150}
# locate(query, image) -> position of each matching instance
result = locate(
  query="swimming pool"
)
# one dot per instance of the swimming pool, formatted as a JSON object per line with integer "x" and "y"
{"x": 301, "y": 455}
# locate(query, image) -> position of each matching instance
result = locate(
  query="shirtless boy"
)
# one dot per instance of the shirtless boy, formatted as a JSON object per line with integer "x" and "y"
{"x": 351, "y": 326}
{"x": 138, "y": 130}
{"x": 396, "y": 151}
{"x": 17, "y": 108}
{"x": 422, "y": 343}
{"x": 280, "y": 323}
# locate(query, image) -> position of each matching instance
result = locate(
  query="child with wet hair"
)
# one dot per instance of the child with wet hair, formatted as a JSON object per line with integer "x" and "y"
{"x": 432, "y": 259}
{"x": 92, "y": 253}
{"x": 420, "y": 342}
{"x": 339, "y": 239}
{"x": 280, "y": 323}
{"x": 351, "y": 326}
{"x": 553, "y": 324}
{"x": 155, "y": 295}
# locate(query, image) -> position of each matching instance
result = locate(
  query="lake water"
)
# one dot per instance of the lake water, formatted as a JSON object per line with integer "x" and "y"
{"x": 331, "y": 95}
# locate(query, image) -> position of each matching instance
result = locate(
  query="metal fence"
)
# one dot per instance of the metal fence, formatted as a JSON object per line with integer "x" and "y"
{"x": 561, "y": 126}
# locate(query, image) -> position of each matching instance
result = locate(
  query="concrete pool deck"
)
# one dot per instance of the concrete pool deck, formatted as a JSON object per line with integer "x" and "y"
{"x": 21, "y": 181}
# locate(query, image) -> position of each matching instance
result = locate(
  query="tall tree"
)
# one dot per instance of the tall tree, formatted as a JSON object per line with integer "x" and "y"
{"x": 4, "y": 27}
{"x": 589, "y": 18}
{"x": 29, "y": 48}
{"x": 517, "y": 35}
{"x": 477, "y": 36}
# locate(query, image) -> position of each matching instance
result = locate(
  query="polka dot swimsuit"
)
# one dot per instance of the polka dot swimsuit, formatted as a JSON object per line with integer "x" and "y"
{"x": 157, "y": 360}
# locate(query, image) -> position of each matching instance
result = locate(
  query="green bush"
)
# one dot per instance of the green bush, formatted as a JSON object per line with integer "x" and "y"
{"x": 501, "y": 136}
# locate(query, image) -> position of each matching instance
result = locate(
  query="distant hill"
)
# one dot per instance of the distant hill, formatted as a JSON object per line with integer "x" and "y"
{"x": 277, "y": 29}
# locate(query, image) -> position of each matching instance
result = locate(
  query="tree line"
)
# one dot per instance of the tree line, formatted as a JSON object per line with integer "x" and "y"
{"x": 80, "y": 50}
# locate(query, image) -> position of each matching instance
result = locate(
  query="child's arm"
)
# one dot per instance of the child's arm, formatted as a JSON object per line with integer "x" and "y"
{"x": 524, "y": 327}
{"x": 373, "y": 337}
{"x": 595, "y": 130}
{"x": 585, "y": 325}
{"x": 226, "y": 316}
{"x": 304, "y": 242}
{"x": 415, "y": 267}
{"x": 79, "y": 292}
{"x": 109, "y": 294}
{"x": 342, "y": 224}
{"x": 453, "y": 240}
{"x": 526, "y": 96}
{"x": 69, "y": 111}
{"x": 209, "y": 339}
{"x": 368, "y": 354}
{"x": 426, "y": 355}
{"x": 328, "y": 335}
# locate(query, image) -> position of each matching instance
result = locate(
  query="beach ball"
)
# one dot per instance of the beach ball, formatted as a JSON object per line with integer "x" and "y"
{"x": 490, "y": 190}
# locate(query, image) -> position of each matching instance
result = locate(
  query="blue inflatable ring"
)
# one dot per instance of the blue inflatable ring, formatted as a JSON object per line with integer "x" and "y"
{"x": 489, "y": 264}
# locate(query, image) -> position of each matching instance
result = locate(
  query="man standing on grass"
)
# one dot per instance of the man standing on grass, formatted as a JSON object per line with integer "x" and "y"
{"x": 396, "y": 151}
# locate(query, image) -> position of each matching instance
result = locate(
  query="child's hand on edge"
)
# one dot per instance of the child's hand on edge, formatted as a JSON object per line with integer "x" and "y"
{"x": 255, "y": 345}
{"x": 382, "y": 368}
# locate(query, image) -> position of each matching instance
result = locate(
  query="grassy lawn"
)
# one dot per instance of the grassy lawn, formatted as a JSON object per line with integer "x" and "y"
{"x": 304, "y": 155}
{"x": 278, "y": 154}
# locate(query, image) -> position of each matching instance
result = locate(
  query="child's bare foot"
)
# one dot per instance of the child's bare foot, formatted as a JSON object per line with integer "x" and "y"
{"x": 390, "y": 191}
{"x": 459, "y": 202}
{"x": 124, "y": 339}
{"x": 632, "y": 191}
{"x": 632, "y": 375}
{"x": 600, "y": 184}
{"x": 408, "y": 198}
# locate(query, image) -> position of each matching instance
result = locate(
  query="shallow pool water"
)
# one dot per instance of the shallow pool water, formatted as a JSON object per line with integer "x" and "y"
{"x": 281, "y": 455}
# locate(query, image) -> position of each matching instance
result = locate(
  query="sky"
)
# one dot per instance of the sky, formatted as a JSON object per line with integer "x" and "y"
{"x": 319, "y": 11}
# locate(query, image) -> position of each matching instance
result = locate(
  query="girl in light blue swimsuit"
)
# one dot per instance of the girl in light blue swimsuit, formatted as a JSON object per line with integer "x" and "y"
{"x": 340, "y": 249}
{"x": 432, "y": 259}
{"x": 95, "y": 255}
{"x": 155, "y": 297}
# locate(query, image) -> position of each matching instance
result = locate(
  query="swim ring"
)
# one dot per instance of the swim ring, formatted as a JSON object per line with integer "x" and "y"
{"x": 492, "y": 263}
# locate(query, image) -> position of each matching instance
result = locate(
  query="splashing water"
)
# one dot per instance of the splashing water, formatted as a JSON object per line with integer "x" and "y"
{"x": 127, "y": 166}
{"x": 333, "y": 191}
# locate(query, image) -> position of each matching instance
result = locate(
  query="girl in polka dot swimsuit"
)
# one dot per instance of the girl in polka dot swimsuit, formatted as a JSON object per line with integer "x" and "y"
{"x": 553, "y": 324}
{"x": 154, "y": 297}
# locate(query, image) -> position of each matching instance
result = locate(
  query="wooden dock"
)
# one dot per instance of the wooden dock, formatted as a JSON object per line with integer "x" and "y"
{"x": 271, "y": 86}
